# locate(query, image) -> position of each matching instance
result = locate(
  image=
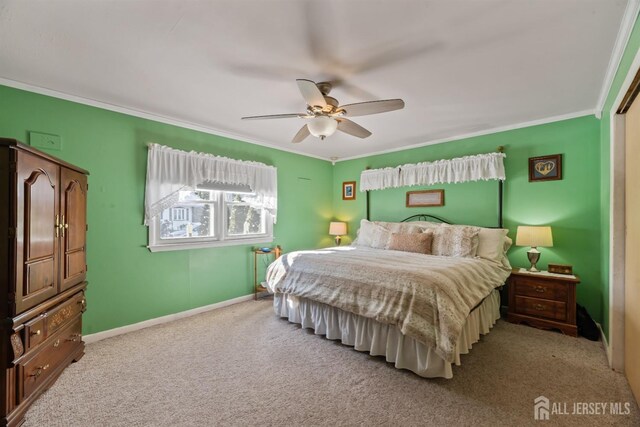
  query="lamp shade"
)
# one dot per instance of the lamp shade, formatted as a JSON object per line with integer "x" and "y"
{"x": 322, "y": 126}
{"x": 338, "y": 228}
{"x": 534, "y": 236}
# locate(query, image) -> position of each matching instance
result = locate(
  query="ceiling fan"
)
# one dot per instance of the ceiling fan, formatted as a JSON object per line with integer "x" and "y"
{"x": 326, "y": 115}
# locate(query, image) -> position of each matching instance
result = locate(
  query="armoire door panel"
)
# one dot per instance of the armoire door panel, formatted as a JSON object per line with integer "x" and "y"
{"x": 40, "y": 212}
{"x": 39, "y": 276}
{"x": 74, "y": 213}
{"x": 36, "y": 231}
{"x": 75, "y": 264}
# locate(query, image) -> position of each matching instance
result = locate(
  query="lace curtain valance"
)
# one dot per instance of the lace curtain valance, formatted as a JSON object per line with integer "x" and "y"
{"x": 170, "y": 171}
{"x": 461, "y": 169}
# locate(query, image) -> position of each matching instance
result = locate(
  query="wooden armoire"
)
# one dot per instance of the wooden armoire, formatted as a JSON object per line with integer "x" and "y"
{"x": 43, "y": 227}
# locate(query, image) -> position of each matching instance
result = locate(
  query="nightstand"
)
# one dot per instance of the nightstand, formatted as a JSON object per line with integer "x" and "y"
{"x": 258, "y": 289}
{"x": 543, "y": 300}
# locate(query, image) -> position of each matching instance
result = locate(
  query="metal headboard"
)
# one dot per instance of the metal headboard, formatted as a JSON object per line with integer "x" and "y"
{"x": 424, "y": 217}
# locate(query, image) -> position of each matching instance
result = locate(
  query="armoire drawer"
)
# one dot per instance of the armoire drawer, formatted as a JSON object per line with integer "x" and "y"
{"x": 61, "y": 315}
{"x": 34, "y": 332}
{"x": 49, "y": 358}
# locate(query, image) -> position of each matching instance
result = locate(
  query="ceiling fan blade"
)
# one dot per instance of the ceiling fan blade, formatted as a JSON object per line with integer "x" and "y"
{"x": 347, "y": 126}
{"x": 372, "y": 107}
{"x": 301, "y": 135}
{"x": 311, "y": 93}
{"x": 276, "y": 116}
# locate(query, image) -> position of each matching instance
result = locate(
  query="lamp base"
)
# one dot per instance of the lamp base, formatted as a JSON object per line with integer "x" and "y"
{"x": 338, "y": 239}
{"x": 534, "y": 256}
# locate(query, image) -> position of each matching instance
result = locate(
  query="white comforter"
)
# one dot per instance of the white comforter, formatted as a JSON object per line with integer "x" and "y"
{"x": 427, "y": 297}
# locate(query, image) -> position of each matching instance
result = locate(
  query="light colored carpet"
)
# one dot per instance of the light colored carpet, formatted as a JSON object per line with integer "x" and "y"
{"x": 241, "y": 365}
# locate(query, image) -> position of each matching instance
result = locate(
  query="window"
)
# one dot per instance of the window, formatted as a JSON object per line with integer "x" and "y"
{"x": 206, "y": 218}
{"x": 228, "y": 201}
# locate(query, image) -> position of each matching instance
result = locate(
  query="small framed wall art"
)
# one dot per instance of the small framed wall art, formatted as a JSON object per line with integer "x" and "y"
{"x": 349, "y": 190}
{"x": 424, "y": 198}
{"x": 545, "y": 168}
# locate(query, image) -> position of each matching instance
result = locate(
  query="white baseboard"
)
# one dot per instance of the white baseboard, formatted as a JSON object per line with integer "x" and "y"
{"x": 88, "y": 339}
{"x": 607, "y": 349}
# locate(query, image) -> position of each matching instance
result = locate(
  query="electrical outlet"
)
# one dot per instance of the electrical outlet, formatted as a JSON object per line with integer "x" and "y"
{"x": 46, "y": 141}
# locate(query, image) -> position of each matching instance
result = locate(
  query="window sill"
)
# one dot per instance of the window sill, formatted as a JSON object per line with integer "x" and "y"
{"x": 210, "y": 244}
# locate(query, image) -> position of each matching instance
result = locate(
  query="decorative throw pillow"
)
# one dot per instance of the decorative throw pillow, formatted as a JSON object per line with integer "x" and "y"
{"x": 491, "y": 243}
{"x": 373, "y": 235}
{"x": 411, "y": 242}
{"x": 456, "y": 241}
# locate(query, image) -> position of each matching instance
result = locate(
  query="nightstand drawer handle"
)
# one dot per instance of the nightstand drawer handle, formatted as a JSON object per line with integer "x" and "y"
{"x": 541, "y": 289}
{"x": 540, "y": 307}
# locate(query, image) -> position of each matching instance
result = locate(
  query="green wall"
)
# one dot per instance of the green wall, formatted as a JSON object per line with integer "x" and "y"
{"x": 605, "y": 158}
{"x": 127, "y": 283}
{"x": 571, "y": 206}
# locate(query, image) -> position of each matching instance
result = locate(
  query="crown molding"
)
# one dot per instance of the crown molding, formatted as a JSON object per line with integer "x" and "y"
{"x": 212, "y": 131}
{"x": 146, "y": 115}
{"x": 479, "y": 133}
{"x": 626, "y": 27}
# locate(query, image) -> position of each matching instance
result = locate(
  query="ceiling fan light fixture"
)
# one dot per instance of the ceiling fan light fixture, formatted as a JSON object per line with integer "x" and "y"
{"x": 322, "y": 126}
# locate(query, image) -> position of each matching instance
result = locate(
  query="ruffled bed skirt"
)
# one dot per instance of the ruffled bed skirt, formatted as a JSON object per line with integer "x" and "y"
{"x": 379, "y": 339}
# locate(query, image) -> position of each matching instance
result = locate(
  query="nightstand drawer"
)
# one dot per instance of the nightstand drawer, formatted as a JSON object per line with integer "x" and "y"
{"x": 555, "y": 310}
{"x": 539, "y": 289}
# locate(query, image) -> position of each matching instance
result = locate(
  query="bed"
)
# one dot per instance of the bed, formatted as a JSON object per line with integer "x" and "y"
{"x": 419, "y": 311}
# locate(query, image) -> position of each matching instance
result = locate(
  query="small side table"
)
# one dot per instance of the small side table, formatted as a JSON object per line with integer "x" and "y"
{"x": 543, "y": 300}
{"x": 257, "y": 287}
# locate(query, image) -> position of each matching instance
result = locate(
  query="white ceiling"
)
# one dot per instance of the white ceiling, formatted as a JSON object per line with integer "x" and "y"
{"x": 461, "y": 66}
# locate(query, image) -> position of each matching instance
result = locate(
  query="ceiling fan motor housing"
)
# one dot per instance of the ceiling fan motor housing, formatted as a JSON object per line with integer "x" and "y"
{"x": 325, "y": 114}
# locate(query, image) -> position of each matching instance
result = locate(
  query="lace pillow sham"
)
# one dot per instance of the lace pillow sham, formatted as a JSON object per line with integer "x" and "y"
{"x": 455, "y": 241}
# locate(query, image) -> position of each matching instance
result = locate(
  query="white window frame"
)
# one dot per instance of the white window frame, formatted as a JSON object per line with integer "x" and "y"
{"x": 220, "y": 237}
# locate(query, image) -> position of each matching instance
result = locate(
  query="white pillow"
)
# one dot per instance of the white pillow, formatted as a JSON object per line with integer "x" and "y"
{"x": 400, "y": 227}
{"x": 372, "y": 235}
{"x": 491, "y": 243}
{"x": 428, "y": 225}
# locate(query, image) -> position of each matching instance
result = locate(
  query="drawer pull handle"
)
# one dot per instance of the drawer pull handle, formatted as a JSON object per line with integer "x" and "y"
{"x": 56, "y": 344}
{"x": 35, "y": 332}
{"x": 83, "y": 302}
{"x": 541, "y": 289}
{"x": 74, "y": 337}
{"x": 39, "y": 370}
{"x": 540, "y": 307}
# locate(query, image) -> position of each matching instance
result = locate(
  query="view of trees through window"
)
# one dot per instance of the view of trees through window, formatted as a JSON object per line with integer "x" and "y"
{"x": 242, "y": 217}
{"x": 196, "y": 213}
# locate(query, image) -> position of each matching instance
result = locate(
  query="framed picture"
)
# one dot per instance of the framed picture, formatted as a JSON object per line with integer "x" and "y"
{"x": 423, "y": 198}
{"x": 349, "y": 190}
{"x": 545, "y": 168}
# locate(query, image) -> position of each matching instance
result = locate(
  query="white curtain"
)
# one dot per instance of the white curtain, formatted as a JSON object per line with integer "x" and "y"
{"x": 169, "y": 171}
{"x": 461, "y": 169}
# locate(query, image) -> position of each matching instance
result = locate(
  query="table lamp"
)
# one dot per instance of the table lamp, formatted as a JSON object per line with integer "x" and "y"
{"x": 338, "y": 229}
{"x": 534, "y": 236}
